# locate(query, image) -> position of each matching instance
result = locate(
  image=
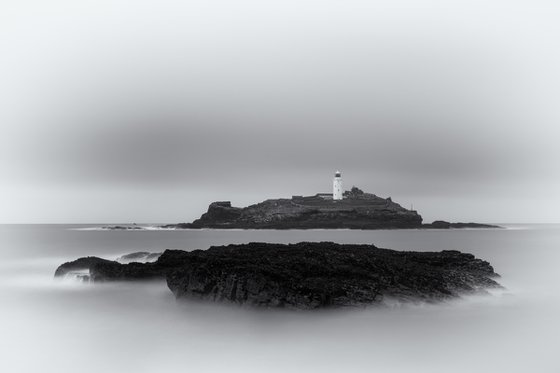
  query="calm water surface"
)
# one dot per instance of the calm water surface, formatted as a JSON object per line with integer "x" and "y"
{"x": 51, "y": 326}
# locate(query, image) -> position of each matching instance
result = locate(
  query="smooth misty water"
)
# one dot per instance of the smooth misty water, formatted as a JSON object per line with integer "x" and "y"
{"x": 51, "y": 326}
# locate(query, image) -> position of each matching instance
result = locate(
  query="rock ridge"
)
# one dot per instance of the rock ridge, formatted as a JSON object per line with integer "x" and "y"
{"x": 306, "y": 275}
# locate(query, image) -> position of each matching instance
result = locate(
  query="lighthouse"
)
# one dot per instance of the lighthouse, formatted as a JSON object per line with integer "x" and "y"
{"x": 337, "y": 186}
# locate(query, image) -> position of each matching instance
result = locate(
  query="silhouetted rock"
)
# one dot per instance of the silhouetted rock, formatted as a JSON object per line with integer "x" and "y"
{"x": 123, "y": 228}
{"x": 306, "y": 275}
{"x": 441, "y": 224}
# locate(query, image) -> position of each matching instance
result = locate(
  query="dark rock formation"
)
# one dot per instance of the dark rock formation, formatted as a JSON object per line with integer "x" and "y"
{"x": 358, "y": 210}
{"x": 304, "y": 275}
{"x": 441, "y": 224}
{"x": 123, "y": 228}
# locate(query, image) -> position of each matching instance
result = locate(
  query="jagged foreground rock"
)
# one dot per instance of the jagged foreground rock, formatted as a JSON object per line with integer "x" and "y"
{"x": 304, "y": 275}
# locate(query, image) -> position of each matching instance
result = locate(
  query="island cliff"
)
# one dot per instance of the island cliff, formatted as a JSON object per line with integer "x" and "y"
{"x": 357, "y": 210}
{"x": 307, "y": 275}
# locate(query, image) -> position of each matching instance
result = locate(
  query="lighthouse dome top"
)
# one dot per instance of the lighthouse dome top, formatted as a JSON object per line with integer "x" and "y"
{"x": 337, "y": 174}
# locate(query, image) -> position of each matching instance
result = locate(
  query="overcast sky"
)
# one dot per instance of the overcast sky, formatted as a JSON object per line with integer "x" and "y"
{"x": 146, "y": 111}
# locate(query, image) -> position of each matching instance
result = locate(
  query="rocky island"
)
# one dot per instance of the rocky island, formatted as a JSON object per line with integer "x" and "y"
{"x": 351, "y": 209}
{"x": 306, "y": 275}
{"x": 356, "y": 210}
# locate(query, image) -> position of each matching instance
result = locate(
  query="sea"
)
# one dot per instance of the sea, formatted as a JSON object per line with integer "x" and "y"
{"x": 67, "y": 326}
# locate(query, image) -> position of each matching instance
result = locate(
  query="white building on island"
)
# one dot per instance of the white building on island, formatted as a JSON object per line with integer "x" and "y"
{"x": 337, "y": 186}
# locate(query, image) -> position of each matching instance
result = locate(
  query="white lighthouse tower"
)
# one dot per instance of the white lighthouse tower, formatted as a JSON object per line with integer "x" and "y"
{"x": 337, "y": 186}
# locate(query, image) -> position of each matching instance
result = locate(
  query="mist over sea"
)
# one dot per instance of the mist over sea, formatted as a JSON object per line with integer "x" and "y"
{"x": 64, "y": 326}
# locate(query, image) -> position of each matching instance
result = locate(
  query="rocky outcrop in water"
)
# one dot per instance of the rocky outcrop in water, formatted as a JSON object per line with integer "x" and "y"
{"x": 304, "y": 275}
{"x": 442, "y": 224}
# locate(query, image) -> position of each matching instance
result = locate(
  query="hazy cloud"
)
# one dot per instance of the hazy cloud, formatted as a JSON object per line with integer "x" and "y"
{"x": 244, "y": 100}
